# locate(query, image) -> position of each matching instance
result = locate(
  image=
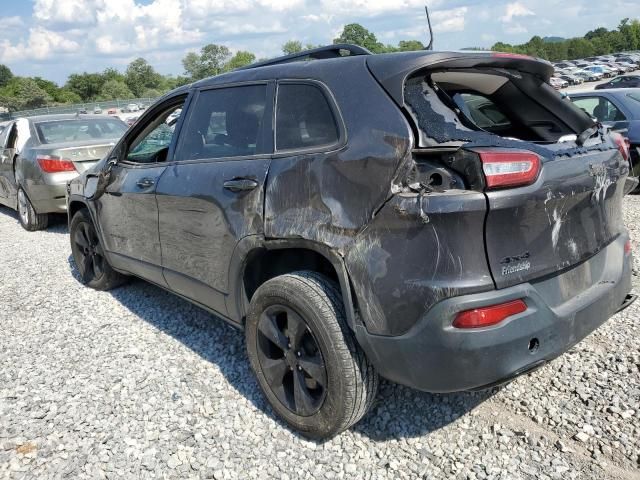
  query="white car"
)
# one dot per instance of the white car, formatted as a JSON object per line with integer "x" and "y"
{"x": 132, "y": 107}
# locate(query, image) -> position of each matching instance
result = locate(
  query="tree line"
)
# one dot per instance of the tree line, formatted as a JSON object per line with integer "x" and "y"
{"x": 596, "y": 42}
{"x": 140, "y": 79}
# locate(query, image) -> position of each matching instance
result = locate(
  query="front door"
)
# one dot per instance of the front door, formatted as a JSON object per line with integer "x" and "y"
{"x": 128, "y": 211}
{"x": 212, "y": 193}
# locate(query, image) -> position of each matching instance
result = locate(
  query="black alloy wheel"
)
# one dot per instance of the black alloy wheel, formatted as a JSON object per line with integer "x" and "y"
{"x": 291, "y": 360}
{"x": 91, "y": 256}
{"x": 88, "y": 254}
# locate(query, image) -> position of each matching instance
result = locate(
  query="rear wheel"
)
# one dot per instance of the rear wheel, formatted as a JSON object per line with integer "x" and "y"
{"x": 88, "y": 254}
{"x": 29, "y": 219}
{"x": 305, "y": 357}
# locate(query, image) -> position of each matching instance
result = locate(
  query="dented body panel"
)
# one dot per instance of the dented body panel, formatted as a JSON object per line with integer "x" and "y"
{"x": 572, "y": 212}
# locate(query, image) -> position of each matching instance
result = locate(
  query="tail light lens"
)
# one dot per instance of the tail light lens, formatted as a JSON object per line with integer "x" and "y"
{"x": 624, "y": 145}
{"x": 509, "y": 168}
{"x": 628, "y": 248}
{"x": 54, "y": 164}
{"x": 488, "y": 316}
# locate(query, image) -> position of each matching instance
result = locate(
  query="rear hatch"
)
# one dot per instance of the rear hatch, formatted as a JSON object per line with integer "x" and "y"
{"x": 553, "y": 180}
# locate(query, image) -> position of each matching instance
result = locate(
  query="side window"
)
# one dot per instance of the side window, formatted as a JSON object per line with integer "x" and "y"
{"x": 152, "y": 145}
{"x": 600, "y": 108}
{"x": 304, "y": 118}
{"x": 225, "y": 122}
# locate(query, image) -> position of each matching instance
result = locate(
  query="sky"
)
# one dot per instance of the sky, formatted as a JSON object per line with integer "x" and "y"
{"x": 54, "y": 38}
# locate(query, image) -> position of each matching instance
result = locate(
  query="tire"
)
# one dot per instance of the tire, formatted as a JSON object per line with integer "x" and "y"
{"x": 296, "y": 331}
{"x": 29, "y": 219}
{"x": 88, "y": 254}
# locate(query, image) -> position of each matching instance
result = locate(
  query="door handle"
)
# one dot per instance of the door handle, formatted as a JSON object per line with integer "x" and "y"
{"x": 240, "y": 184}
{"x": 145, "y": 183}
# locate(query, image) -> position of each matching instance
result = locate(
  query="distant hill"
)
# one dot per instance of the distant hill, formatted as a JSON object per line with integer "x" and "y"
{"x": 553, "y": 39}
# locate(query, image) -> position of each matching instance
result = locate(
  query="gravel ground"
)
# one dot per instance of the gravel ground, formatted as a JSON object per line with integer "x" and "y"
{"x": 137, "y": 383}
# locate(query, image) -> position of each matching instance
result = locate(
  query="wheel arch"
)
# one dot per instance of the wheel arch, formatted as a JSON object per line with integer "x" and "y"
{"x": 256, "y": 260}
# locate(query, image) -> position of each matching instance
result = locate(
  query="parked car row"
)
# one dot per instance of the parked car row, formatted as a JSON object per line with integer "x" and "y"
{"x": 592, "y": 69}
{"x": 129, "y": 108}
{"x": 484, "y": 239}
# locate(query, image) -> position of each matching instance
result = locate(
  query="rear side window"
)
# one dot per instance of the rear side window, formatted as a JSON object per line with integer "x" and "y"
{"x": 58, "y": 131}
{"x": 304, "y": 118}
{"x": 225, "y": 122}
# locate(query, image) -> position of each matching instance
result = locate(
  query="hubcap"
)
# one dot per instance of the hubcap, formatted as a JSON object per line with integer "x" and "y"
{"x": 291, "y": 360}
{"x": 23, "y": 209}
{"x": 90, "y": 255}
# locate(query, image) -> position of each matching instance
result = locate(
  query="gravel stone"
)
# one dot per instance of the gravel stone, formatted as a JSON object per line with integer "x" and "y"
{"x": 137, "y": 383}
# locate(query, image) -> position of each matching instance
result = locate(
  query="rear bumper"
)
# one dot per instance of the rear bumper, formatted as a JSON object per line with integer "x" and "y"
{"x": 48, "y": 198}
{"x": 562, "y": 310}
{"x": 48, "y": 192}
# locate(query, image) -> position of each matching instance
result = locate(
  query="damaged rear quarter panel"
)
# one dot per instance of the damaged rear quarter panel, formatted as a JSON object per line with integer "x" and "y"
{"x": 419, "y": 249}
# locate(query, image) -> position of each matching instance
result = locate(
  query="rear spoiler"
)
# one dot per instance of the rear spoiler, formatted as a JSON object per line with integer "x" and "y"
{"x": 392, "y": 71}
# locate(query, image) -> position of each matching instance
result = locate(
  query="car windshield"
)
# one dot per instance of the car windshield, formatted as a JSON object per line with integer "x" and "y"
{"x": 634, "y": 96}
{"x": 81, "y": 129}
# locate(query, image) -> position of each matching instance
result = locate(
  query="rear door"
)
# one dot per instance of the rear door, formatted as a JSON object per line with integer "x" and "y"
{"x": 128, "y": 211}
{"x": 212, "y": 193}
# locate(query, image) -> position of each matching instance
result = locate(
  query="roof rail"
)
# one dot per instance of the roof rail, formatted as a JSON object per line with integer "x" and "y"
{"x": 328, "y": 51}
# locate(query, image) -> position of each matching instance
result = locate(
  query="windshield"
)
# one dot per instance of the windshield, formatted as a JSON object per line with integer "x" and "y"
{"x": 634, "y": 96}
{"x": 59, "y": 131}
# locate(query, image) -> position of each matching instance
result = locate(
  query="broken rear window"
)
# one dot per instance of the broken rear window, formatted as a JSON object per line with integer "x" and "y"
{"x": 467, "y": 104}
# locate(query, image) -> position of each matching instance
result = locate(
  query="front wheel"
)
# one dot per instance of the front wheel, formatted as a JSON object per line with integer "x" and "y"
{"x": 88, "y": 254}
{"x": 305, "y": 357}
{"x": 29, "y": 219}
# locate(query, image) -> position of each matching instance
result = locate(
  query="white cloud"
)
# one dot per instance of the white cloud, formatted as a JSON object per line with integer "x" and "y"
{"x": 516, "y": 9}
{"x": 370, "y": 7}
{"x": 65, "y": 11}
{"x": 41, "y": 44}
{"x": 449, "y": 20}
{"x": 515, "y": 29}
{"x": 11, "y": 22}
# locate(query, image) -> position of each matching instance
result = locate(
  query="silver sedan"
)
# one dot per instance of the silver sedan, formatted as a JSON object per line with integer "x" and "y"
{"x": 39, "y": 155}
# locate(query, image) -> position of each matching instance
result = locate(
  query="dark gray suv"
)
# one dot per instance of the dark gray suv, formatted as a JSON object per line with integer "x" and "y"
{"x": 444, "y": 220}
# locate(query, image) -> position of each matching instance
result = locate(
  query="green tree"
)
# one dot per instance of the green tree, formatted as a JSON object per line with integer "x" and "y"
{"x": 5, "y": 75}
{"x": 240, "y": 59}
{"x": 410, "y": 45}
{"x": 358, "y": 35}
{"x": 23, "y": 94}
{"x": 64, "y": 95}
{"x": 114, "y": 90}
{"x": 292, "y": 46}
{"x": 86, "y": 85}
{"x": 151, "y": 93}
{"x": 209, "y": 62}
{"x": 140, "y": 76}
{"x": 112, "y": 74}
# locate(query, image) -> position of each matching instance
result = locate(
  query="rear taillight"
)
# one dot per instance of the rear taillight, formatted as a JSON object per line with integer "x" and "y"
{"x": 509, "y": 168}
{"x": 623, "y": 144}
{"x": 54, "y": 164}
{"x": 628, "y": 248}
{"x": 488, "y": 316}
